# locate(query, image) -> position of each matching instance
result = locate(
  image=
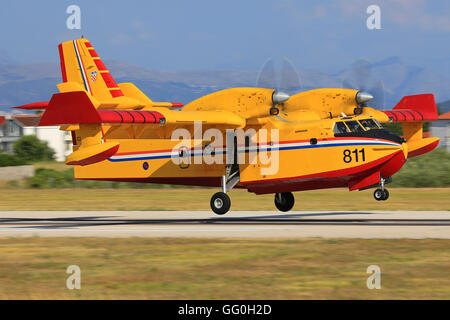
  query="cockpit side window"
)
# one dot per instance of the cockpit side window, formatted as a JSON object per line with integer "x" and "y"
{"x": 368, "y": 124}
{"x": 339, "y": 127}
{"x": 354, "y": 126}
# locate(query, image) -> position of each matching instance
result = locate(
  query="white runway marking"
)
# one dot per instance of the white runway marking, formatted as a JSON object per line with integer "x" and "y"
{"x": 237, "y": 224}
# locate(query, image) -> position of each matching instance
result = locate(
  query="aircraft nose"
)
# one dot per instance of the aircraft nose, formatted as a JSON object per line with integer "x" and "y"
{"x": 396, "y": 162}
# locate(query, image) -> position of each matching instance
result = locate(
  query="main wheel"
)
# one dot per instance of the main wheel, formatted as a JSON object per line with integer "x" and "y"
{"x": 220, "y": 203}
{"x": 284, "y": 201}
{"x": 379, "y": 194}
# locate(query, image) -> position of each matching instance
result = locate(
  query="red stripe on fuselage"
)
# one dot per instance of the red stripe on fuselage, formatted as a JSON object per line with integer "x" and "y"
{"x": 334, "y": 173}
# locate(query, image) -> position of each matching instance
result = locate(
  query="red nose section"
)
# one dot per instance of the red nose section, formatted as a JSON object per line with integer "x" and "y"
{"x": 393, "y": 165}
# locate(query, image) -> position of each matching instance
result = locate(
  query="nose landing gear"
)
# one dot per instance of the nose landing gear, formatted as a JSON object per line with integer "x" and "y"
{"x": 381, "y": 194}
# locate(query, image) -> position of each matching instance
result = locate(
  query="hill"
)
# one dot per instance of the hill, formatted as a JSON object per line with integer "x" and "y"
{"x": 25, "y": 83}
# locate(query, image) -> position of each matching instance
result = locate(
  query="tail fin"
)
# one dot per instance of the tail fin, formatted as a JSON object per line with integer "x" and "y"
{"x": 81, "y": 64}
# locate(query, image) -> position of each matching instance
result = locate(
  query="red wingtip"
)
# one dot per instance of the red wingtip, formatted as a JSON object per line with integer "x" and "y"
{"x": 33, "y": 106}
{"x": 423, "y": 104}
{"x": 177, "y": 104}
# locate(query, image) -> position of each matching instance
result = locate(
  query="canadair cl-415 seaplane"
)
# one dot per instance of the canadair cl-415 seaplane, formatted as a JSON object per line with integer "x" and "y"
{"x": 259, "y": 139}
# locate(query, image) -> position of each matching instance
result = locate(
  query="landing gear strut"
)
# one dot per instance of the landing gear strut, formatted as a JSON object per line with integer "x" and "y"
{"x": 381, "y": 194}
{"x": 284, "y": 201}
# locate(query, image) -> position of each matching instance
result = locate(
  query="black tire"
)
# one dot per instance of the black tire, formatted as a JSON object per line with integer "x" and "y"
{"x": 378, "y": 194}
{"x": 386, "y": 195}
{"x": 284, "y": 201}
{"x": 220, "y": 203}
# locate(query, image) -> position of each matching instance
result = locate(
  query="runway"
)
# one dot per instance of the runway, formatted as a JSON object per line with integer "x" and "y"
{"x": 237, "y": 224}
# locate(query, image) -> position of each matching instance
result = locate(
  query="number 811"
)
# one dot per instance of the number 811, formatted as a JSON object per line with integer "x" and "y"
{"x": 350, "y": 155}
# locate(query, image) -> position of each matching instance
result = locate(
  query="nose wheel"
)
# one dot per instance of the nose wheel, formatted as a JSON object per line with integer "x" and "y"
{"x": 284, "y": 201}
{"x": 380, "y": 194}
{"x": 220, "y": 203}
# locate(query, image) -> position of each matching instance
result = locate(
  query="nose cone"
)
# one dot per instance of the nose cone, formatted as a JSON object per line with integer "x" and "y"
{"x": 279, "y": 97}
{"x": 396, "y": 162}
{"x": 363, "y": 97}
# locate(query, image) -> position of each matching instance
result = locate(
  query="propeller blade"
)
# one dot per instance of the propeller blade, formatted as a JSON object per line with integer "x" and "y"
{"x": 361, "y": 73}
{"x": 266, "y": 77}
{"x": 290, "y": 81}
{"x": 377, "y": 90}
{"x": 360, "y": 77}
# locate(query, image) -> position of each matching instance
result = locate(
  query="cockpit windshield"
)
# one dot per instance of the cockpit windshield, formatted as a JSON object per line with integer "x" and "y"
{"x": 354, "y": 126}
{"x": 367, "y": 128}
{"x": 369, "y": 124}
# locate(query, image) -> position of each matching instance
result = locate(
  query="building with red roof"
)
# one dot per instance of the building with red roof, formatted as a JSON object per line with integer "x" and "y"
{"x": 441, "y": 129}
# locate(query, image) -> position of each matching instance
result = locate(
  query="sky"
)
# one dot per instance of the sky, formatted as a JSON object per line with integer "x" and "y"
{"x": 233, "y": 34}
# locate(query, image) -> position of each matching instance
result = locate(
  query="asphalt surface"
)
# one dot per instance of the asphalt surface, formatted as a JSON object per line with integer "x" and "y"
{"x": 235, "y": 224}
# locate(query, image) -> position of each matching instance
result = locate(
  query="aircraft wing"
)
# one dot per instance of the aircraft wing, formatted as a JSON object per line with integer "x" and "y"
{"x": 420, "y": 107}
{"x": 411, "y": 112}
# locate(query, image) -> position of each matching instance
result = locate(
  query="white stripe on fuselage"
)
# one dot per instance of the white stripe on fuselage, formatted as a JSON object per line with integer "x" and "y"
{"x": 282, "y": 146}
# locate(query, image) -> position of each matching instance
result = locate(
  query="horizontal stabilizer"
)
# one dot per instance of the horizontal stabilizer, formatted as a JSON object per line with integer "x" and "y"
{"x": 77, "y": 108}
{"x": 131, "y": 91}
{"x": 33, "y": 106}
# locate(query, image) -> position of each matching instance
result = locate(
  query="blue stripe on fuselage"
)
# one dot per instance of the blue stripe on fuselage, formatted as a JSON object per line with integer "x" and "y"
{"x": 263, "y": 149}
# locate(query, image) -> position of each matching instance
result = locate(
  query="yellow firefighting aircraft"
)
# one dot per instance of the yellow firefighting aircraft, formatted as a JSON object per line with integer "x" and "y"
{"x": 322, "y": 138}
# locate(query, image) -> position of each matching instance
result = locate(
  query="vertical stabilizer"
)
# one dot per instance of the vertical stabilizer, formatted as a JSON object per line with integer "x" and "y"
{"x": 81, "y": 64}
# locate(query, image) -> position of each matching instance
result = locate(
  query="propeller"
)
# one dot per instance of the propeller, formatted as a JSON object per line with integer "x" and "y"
{"x": 280, "y": 76}
{"x": 370, "y": 89}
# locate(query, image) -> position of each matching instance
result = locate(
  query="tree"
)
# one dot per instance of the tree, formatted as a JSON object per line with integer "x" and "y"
{"x": 30, "y": 148}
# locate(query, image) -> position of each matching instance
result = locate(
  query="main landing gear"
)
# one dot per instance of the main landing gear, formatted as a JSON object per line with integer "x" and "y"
{"x": 220, "y": 203}
{"x": 284, "y": 201}
{"x": 381, "y": 194}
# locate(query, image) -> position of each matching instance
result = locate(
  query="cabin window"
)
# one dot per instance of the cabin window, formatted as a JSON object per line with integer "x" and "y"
{"x": 354, "y": 126}
{"x": 369, "y": 124}
{"x": 340, "y": 127}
